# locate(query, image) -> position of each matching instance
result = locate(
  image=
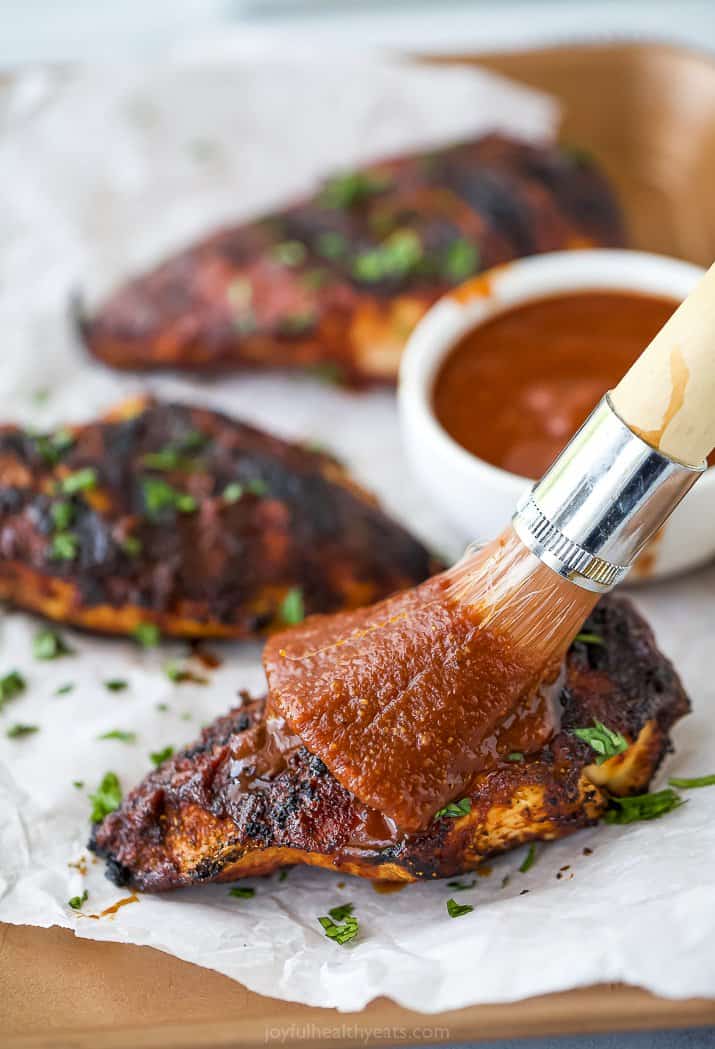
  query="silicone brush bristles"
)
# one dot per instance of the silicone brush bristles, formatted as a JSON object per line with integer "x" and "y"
{"x": 517, "y": 598}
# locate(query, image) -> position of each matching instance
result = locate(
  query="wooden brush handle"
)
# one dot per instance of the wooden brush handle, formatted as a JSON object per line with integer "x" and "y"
{"x": 668, "y": 396}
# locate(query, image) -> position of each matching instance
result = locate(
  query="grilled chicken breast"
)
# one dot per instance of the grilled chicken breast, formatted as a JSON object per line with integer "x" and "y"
{"x": 245, "y": 801}
{"x": 180, "y": 517}
{"x": 336, "y": 283}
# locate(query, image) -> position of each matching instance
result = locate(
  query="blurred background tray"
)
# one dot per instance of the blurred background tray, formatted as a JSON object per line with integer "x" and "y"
{"x": 648, "y": 114}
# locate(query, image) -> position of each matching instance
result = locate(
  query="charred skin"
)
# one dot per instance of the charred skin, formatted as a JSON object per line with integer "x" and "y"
{"x": 163, "y": 535}
{"x": 336, "y": 283}
{"x": 187, "y": 823}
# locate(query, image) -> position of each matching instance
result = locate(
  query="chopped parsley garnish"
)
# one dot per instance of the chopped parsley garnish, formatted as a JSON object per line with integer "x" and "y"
{"x": 256, "y": 486}
{"x": 131, "y": 545}
{"x": 232, "y": 492}
{"x": 289, "y": 253}
{"x": 120, "y": 735}
{"x": 64, "y": 690}
{"x": 461, "y": 886}
{"x": 292, "y": 608}
{"x": 164, "y": 459}
{"x": 11, "y": 685}
{"x": 340, "y": 924}
{"x": 605, "y": 741}
{"x": 19, "y": 730}
{"x": 163, "y": 707}
{"x": 461, "y": 261}
{"x": 456, "y": 910}
{"x": 331, "y": 245}
{"x": 398, "y": 256}
{"x": 158, "y": 757}
{"x": 62, "y": 514}
{"x": 47, "y": 644}
{"x": 529, "y": 859}
{"x": 179, "y": 675}
{"x": 455, "y": 809}
{"x": 314, "y": 279}
{"x": 340, "y": 913}
{"x": 116, "y": 684}
{"x": 147, "y": 634}
{"x": 283, "y": 874}
{"x": 77, "y": 901}
{"x": 107, "y": 797}
{"x": 642, "y": 806}
{"x": 353, "y": 187}
{"x": 63, "y": 546}
{"x": 78, "y": 783}
{"x": 52, "y": 447}
{"x": 689, "y": 784}
{"x": 590, "y": 639}
{"x": 159, "y": 496}
{"x": 79, "y": 481}
{"x": 242, "y": 892}
{"x": 515, "y": 755}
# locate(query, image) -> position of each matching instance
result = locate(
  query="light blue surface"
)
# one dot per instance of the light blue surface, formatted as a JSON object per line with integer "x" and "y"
{"x": 696, "y": 1038}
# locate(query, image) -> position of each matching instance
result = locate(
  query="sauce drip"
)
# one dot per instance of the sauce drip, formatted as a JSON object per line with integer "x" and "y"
{"x": 515, "y": 390}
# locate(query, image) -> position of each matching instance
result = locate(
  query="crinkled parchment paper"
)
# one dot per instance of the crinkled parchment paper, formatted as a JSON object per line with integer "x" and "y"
{"x": 101, "y": 174}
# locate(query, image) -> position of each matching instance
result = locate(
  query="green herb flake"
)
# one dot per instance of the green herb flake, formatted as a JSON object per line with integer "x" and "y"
{"x": 64, "y": 690}
{"x": 283, "y": 874}
{"x": 62, "y": 514}
{"x": 289, "y": 253}
{"x": 341, "y": 912}
{"x": 18, "y": 731}
{"x": 456, "y": 910}
{"x": 399, "y": 255}
{"x": 163, "y": 707}
{"x": 353, "y": 187}
{"x": 107, "y": 797}
{"x": 330, "y": 244}
{"x": 147, "y": 634}
{"x": 160, "y": 496}
{"x": 256, "y": 486}
{"x": 77, "y": 901}
{"x": 63, "y": 546}
{"x": 314, "y": 279}
{"x": 242, "y": 892}
{"x": 642, "y": 806}
{"x": 11, "y": 685}
{"x": 131, "y": 546}
{"x": 232, "y": 492}
{"x": 78, "y": 784}
{"x": 461, "y": 261}
{"x": 329, "y": 372}
{"x": 516, "y": 756}
{"x": 690, "y": 784}
{"x": 529, "y": 859}
{"x": 455, "y": 809}
{"x": 79, "y": 481}
{"x": 116, "y": 684}
{"x": 164, "y": 459}
{"x": 292, "y": 608}
{"x": 240, "y": 293}
{"x": 340, "y": 924}
{"x": 52, "y": 447}
{"x": 158, "y": 757}
{"x": 120, "y": 735}
{"x": 605, "y": 741}
{"x": 47, "y": 644}
{"x": 461, "y": 886}
{"x": 590, "y": 639}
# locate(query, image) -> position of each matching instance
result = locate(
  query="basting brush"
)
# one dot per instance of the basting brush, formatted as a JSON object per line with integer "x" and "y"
{"x": 404, "y": 701}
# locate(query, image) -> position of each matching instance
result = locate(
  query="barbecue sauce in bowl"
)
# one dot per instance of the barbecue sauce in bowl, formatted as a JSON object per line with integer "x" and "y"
{"x": 515, "y": 389}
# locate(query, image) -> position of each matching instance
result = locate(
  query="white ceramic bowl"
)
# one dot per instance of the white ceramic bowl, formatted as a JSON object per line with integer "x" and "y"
{"x": 479, "y": 498}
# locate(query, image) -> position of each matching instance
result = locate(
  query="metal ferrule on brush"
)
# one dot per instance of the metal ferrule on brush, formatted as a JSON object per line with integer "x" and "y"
{"x": 597, "y": 506}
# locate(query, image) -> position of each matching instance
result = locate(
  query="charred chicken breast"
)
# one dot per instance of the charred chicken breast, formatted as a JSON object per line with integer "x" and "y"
{"x": 336, "y": 283}
{"x": 179, "y": 517}
{"x": 249, "y": 797}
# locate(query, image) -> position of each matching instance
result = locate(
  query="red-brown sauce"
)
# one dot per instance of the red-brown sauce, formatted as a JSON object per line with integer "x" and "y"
{"x": 405, "y": 701}
{"x": 517, "y": 388}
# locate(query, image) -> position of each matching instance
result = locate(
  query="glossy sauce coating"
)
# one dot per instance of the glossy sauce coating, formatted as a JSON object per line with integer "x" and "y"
{"x": 516, "y": 389}
{"x": 405, "y": 701}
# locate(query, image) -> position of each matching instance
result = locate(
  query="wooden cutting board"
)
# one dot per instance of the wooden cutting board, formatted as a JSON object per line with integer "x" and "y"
{"x": 658, "y": 146}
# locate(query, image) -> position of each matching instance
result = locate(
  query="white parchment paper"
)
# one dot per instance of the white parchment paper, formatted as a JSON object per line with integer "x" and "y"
{"x": 100, "y": 174}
